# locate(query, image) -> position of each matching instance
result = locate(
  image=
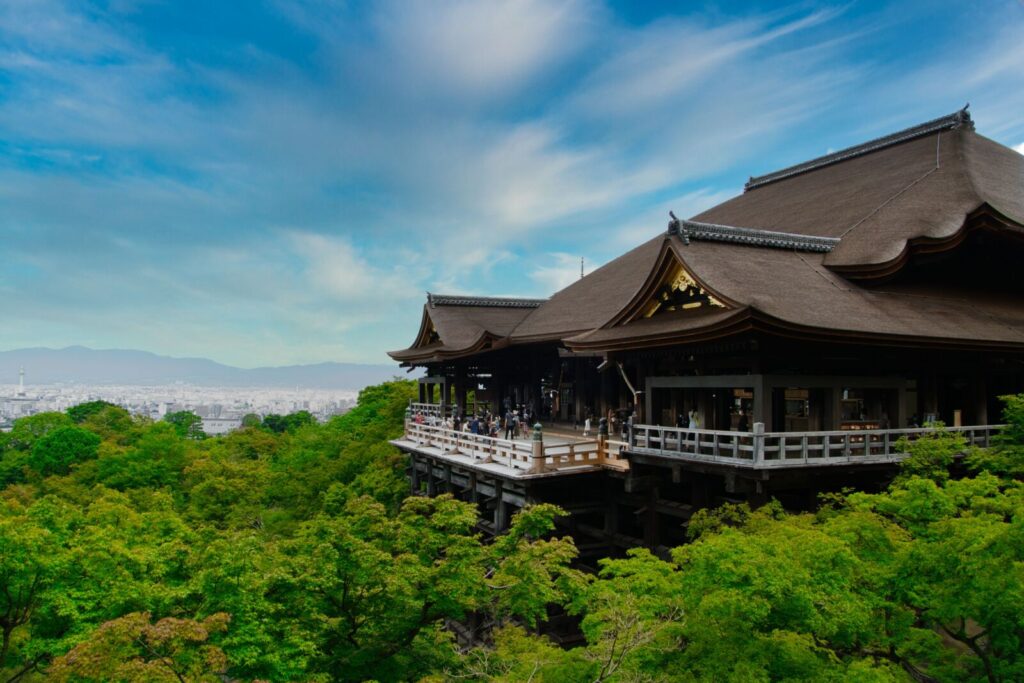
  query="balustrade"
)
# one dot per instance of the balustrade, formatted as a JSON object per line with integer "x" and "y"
{"x": 760, "y": 449}
{"x": 522, "y": 457}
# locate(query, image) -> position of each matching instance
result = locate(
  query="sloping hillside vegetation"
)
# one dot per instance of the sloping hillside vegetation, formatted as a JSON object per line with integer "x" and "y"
{"x": 133, "y": 550}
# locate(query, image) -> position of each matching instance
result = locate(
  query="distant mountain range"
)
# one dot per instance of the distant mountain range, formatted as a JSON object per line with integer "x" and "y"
{"x": 82, "y": 365}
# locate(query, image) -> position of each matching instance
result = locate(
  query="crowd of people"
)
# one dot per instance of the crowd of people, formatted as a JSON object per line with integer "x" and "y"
{"x": 515, "y": 423}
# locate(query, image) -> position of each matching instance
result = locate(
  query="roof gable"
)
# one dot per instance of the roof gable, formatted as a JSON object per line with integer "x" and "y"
{"x": 670, "y": 287}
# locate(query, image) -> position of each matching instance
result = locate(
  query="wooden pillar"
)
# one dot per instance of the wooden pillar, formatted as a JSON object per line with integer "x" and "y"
{"x": 762, "y": 401}
{"x": 431, "y": 485}
{"x": 899, "y": 420}
{"x": 460, "y": 388}
{"x": 500, "y": 509}
{"x": 652, "y": 532}
{"x": 980, "y": 400}
{"x": 836, "y": 413}
{"x": 759, "y": 496}
{"x": 414, "y": 475}
{"x": 928, "y": 395}
{"x": 699, "y": 497}
{"x": 648, "y": 402}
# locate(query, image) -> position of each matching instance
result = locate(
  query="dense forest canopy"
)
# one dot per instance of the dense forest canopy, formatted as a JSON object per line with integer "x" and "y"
{"x": 133, "y": 550}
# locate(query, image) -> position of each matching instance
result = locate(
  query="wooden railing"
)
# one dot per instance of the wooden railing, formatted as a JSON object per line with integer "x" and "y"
{"x": 759, "y": 449}
{"x": 523, "y": 456}
{"x": 438, "y": 410}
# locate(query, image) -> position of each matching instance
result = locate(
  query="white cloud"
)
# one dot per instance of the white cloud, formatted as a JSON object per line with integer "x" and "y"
{"x": 651, "y": 66}
{"x": 1020, "y": 148}
{"x": 557, "y": 271}
{"x": 482, "y": 49}
{"x": 334, "y": 266}
{"x": 654, "y": 220}
{"x": 415, "y": 146}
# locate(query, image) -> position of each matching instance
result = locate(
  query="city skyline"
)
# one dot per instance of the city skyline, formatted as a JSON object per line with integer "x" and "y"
{"x": 224, "y": 405}
{"x": 279, "y": 183}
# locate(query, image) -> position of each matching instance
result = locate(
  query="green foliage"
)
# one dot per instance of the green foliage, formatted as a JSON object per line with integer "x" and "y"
{"x": 131, "y": 550}
{"x": 931, "y": 453}
{"x": 708, "y": 520}
{"x": 1006, "y": 457}
{"x": 186, "y": 424}
{"x": 28, "y": 430}
{"x": 83, "y": 411}
{"x": 279, "y": 424}
{"x": 132, "y": 649}
{"x": 61, "y": 448}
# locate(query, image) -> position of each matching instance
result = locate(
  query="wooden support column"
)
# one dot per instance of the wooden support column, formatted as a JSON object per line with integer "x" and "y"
{"x": 928, "y": 396}
{"x": 899, "y": 420}
{"x": 431, "y": 484}
{"x": 460, "y": 388}
{"x": 836, "y": 409}
{"x": 979, "y": 399}
{"x": 652, "y": 531}
{"x": 414, "y": 475}
{"x": 500, "y": 509}
{"x": 699, "y": 491}
{"x": 763, "y": 401}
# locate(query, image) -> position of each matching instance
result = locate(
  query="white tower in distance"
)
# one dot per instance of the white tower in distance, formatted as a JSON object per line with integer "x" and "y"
{"x": 21, "y": 382}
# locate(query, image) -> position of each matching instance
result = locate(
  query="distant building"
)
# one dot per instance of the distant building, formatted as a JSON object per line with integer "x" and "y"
{"x": 219, "y": 425}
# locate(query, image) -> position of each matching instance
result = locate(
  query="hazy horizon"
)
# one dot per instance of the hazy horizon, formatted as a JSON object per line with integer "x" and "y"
{"x": 133, "y": 367}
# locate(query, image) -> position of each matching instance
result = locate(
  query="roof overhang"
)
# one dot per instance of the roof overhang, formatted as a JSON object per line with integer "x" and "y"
{"x": 985, "y": 217}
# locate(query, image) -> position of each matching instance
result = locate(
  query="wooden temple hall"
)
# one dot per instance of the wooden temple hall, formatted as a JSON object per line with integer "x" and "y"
{"x": 775, "y": 345}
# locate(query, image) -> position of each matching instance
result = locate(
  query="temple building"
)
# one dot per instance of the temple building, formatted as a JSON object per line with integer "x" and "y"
{"x": 830, "y": 308}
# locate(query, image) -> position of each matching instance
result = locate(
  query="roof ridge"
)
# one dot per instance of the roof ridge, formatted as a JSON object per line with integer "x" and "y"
{"x": 755, "y": 237}
{"x": 434, "y": 300}
{"x": 948, "y": 122}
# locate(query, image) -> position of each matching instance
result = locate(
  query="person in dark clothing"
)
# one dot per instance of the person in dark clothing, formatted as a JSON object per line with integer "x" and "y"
{"x": 744, "y": 424}
{"x": 510, "y": 429}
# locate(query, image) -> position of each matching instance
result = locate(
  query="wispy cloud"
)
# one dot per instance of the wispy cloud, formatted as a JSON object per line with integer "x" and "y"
{"x": 286, "y": 186}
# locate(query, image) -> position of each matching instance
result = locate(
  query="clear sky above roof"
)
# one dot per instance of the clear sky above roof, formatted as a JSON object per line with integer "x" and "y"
{"x": 278, "y": 182}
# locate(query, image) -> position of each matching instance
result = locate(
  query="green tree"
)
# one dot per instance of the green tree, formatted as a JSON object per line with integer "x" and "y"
{"x": 61, "y": 448}
{"x": 83, "y": 411}
{"x": 157, "y": 459}
{"x": 29, "y": 562}
{"x": 931, "y": 454}
{"x": 377, "y": 588}
{"x": 132, "y": 648}
{"x": 187, "y": 424}
{"x": 27, "y": 430}
{"x": 1006, "y": 456}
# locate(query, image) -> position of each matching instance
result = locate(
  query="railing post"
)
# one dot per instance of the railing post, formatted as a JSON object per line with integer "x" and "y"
{"x": 758, "y": 442}
{"x": 537, "y": 465}
{"x": 602, "y": 439}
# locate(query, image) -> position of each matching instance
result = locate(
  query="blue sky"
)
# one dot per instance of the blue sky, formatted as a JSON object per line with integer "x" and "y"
{"x": 277, "y": 182}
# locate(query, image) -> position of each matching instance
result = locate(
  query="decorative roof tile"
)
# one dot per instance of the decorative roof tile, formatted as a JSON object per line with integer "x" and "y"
{"x": 955, "y": 120}
{"x": 487, "y": 301}
{"x": 692, "y": 230}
